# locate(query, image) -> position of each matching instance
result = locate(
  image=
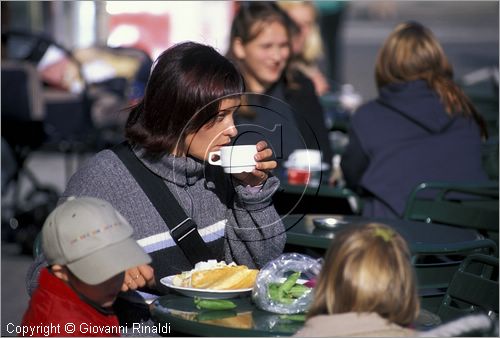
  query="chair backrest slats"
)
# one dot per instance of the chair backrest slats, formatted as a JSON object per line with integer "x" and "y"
{"x": 436, "y": 266}
{"x": 464, "y": 204}
{"x": 471, "y": 289}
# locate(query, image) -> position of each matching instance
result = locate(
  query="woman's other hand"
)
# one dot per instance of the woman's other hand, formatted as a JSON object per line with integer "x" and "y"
{"x": 138, "y": 277}
{"x": 263, "y": 166}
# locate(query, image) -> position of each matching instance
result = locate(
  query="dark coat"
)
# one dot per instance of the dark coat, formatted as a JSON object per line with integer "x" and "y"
{"x": 403, "y": 138}
{"x": 302, "y": 127}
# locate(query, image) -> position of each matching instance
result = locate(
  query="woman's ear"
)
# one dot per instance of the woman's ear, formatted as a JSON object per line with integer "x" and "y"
{"x": 239, "y": 48}
{"x": 60, "y": 272}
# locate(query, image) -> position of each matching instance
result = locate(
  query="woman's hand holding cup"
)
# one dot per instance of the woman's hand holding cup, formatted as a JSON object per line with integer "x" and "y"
{"x": 263, "y": 165}
{"x": 247, "y": 163}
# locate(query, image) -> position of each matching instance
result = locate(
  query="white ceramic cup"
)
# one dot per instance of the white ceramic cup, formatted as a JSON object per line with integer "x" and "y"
{"x": 235, "y": 159}
{"x": 305, "y": 159}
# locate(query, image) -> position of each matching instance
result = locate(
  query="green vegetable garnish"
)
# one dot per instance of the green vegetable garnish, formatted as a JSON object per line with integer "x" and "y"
{"x": 288, "y": 291}
{"x": 213, "y": 304}
{"x": 294, "y": 318}
{"x": 288, "y": 284}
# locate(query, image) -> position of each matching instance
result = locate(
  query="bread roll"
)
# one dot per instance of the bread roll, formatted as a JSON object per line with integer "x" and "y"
{"x": 216, "y": 275}
{"x": 226, "y": 278}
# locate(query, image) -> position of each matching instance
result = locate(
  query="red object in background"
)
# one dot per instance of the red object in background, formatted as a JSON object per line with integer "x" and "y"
{"x": 298, "y": 176}
{"x": 154, "y": 30}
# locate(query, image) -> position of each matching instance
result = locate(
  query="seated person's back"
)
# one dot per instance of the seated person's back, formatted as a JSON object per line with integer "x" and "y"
{"x": 420, "y": 128}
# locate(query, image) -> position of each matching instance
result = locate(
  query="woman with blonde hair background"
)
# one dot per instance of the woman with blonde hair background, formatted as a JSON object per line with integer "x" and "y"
{"x": 367, "y": 286}
{"x": 260, "y": 46}
{"x": 422, "y": 127}
{"x": 307, "y": 46}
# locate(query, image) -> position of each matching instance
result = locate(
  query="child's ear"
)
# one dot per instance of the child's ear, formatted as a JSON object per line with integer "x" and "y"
{"x": 60, "y": 272}
{"x": 239, "y": 49}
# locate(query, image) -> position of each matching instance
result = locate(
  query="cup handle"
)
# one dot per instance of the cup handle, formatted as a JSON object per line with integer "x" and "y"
{"x": 210, "y": 154}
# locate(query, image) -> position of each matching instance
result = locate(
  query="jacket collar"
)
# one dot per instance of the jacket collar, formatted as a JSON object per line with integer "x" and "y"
{"x": 56, "y": 286}
{"x": 181, "y": 171}
{"x": 418, "y": 102}
{"x": 354, "y": 324}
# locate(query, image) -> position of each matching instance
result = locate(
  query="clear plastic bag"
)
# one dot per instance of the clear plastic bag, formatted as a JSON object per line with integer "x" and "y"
{"x": 271, "y": 295}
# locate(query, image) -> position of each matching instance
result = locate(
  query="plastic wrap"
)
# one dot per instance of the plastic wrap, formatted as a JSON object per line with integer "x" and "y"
{"x": 276, "y": 273}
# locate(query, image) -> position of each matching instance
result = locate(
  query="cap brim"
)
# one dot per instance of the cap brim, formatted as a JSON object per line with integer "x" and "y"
{"x": 109, "y": 261}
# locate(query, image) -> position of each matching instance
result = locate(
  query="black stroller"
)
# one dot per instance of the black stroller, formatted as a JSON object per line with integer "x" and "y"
{"x": 40, "y": 115}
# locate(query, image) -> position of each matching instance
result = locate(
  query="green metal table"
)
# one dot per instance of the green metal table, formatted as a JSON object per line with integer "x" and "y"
{"x": 420, "y": 236}
{"x": 181, "y": 315}
{"x": 437, "y": 250}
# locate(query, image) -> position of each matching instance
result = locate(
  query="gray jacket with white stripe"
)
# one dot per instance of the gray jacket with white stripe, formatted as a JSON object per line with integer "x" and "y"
{"x": 239, "y": 223}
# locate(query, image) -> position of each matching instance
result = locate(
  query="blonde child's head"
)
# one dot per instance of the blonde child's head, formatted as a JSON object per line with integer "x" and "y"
{"x": 367, "y": 269}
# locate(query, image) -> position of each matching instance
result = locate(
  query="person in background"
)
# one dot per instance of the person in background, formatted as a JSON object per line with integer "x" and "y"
{"x": 260, "y": 46}
{"x": 366, "y": 288}
{"x": 307, "y": 45}
{"x": 331, "y": 16}
{"x": 88, "y": 246}
{"x": 186, "y": 112}
{"x": 422, "y": 127}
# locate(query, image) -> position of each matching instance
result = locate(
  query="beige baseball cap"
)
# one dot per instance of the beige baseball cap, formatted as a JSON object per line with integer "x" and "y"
{"x": 92, "y": 239}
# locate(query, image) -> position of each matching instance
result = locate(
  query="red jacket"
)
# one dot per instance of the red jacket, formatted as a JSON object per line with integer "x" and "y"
{"x": 56, "y": 310}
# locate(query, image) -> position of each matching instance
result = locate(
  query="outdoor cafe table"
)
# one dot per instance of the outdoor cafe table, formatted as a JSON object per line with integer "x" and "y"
{"x": 420, "y": 236}
{"x": 181, "y": 315}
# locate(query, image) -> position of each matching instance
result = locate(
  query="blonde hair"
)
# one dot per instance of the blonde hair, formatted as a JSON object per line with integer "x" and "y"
{"x": 412, "y": 52}
{"x": 313, "y": 45}
{"x": 367, "y": 269}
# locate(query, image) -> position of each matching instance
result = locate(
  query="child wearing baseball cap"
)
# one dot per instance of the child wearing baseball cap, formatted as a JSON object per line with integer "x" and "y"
{"x": 88, "y": 246}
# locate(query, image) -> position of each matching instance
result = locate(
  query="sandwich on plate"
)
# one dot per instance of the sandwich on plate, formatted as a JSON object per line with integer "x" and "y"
{"x": 215, "y": 275}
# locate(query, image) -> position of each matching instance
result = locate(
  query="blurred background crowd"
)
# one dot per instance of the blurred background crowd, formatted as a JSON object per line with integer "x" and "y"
{"x": 70, "y": 70}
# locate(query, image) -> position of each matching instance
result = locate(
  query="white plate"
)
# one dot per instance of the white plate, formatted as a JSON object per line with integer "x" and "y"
{"x": 204, "y": 293}
{"x": 313, "y": 168}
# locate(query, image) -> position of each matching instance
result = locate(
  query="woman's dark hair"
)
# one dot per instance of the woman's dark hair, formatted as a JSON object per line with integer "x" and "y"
{"x": 181, "y": 96}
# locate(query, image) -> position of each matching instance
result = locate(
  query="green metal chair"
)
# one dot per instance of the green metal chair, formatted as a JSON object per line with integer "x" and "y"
{"x": 472, "y": 290}
{"x": 468, "y": 205}
{"x": 435, "y": 267}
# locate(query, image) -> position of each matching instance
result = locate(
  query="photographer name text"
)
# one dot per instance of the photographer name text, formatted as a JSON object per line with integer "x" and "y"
{"x": 86, "y": 328}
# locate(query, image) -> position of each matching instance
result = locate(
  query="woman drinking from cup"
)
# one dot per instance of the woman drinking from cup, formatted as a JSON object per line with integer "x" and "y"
{"x": 186, "y": 113}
